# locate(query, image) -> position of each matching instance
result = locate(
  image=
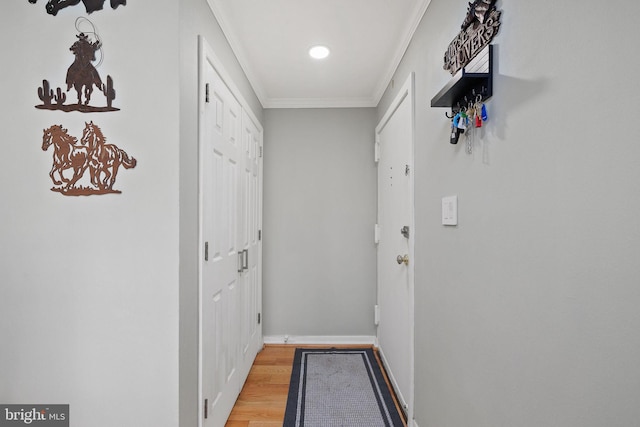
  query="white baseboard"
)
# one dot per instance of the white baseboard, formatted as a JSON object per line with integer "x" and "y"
{"x": 321, "y": 340}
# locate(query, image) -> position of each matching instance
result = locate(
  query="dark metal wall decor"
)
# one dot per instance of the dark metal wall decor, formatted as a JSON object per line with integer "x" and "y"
{"x": 82, "y": 76}
{"x": 89, "y": 166}
{"x": 53, "y": 6}
{"x": 72, "y": 160}
{"x": 478, "y": 11}
{"x": 480, "y": 26}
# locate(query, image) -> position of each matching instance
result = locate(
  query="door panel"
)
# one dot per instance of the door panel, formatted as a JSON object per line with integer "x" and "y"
{"x": 220, "y": 296}
{"x": 251, "y": 246}
{"x": 394, "y": 135}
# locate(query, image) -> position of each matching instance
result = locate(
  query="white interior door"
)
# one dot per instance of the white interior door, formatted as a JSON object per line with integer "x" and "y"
{"x": 220, "y": 296}
{"x": 231, "y": 250}
{"x": 251, "y": 242}
{"x": 394, "y": 139}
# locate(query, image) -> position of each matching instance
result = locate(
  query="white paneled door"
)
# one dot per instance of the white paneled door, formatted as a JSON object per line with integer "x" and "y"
{"x": 250, "y": 241}
{"x": 230, "y": 179}
{"x": 394, "y": 139}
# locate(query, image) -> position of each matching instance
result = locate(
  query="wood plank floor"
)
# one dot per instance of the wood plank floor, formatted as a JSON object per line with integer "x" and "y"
{"x": 263, "y": 399}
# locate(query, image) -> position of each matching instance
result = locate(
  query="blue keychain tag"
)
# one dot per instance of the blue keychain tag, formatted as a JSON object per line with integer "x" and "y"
{"x": 456, "y": 120}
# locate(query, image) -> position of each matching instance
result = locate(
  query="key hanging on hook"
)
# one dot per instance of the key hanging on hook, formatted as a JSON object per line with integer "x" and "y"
{"x": 478, "y": 120}
{"x": 462, "y": 122}
{"x": 454, "y": 136}
{"x": 483, "y": 113}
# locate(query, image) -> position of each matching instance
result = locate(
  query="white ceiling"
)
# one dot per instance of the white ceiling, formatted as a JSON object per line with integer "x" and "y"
{"x": 271, "y": 39}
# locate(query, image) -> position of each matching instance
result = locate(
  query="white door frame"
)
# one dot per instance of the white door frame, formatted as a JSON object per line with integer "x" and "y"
{"x": 406, "y": 94}
{"x": 206, "y": 55}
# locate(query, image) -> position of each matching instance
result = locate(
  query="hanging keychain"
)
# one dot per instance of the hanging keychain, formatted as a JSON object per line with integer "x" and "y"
{"x": 477, "y": 111}
{"x": 483, "y": 113}
{"x": 455, "y": 131}
{"x": 455, "y": 135}
{"x": 470, "y": 134}
{"x": 462, "y": 122}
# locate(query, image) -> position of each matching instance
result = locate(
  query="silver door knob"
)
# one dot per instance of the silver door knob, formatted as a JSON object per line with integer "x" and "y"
{"x": 403, "y": 259}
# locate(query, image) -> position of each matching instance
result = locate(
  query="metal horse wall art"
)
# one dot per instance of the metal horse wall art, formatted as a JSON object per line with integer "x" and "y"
{"x": 71, "y": 161}
{"x": 82, "y": 75}
{"x": 53, "y": 6}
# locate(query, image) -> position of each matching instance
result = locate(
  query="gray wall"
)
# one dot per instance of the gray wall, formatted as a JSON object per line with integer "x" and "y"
{"x": 527, "y": 312}
{"x": 196, "y": 19}
{"x": 319, "y": 210}
{"x": 98, "y": 295}
{"x": 89, "y": 285}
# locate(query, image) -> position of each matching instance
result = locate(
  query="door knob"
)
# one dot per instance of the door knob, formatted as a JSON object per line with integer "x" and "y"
{"x": 403, "y": 259}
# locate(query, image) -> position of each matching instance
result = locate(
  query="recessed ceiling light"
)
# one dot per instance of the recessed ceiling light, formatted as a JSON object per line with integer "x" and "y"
{"x": 319, "y": 52}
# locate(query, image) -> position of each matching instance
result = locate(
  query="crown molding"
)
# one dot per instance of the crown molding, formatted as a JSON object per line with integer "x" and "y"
{"x": 238, "y": 52}
{"x": 320, "y": 103}
{"x": 417, "y": 15}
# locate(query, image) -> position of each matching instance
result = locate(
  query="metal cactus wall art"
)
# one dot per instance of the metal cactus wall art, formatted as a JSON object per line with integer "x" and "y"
{"x": 53, "y": 6}
{"x": 82, "y": 76}
{"x": 72, "y": 160}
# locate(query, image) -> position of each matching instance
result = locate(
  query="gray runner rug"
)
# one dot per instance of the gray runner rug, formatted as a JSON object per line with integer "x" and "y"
{"x": 339, "y": 388}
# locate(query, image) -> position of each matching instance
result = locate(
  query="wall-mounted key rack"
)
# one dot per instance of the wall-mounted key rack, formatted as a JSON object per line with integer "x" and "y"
{"x": 471, "y": 84}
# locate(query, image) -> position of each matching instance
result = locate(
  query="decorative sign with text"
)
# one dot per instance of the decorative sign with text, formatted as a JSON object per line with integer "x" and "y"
{"x": 480, "y": 26}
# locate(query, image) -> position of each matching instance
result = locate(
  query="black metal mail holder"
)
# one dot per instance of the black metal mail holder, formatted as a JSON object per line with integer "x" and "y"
{"x": 474, "y": 83}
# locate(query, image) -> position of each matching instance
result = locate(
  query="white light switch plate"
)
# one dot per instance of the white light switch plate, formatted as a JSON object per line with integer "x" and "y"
{"x": 450, "y": 210}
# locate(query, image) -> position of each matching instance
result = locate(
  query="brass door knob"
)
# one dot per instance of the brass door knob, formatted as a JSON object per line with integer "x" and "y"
{"x": 403, "y": 259}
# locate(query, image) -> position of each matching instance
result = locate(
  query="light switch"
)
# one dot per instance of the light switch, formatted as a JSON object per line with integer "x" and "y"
{"x": 450, "y": 210}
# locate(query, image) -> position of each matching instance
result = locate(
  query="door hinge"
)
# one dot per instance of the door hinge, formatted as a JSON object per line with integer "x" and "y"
{"x": 376, "y": 152}
{"x": 259, "y": 234}
{"x": 376, "y": 233}
{"x": 259, "y": 318}
{"x": 260, "y": 151}
{"x": 206, "y": 251}
{"x": 206, "y": 93}
{"x": 206, "y": 409}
